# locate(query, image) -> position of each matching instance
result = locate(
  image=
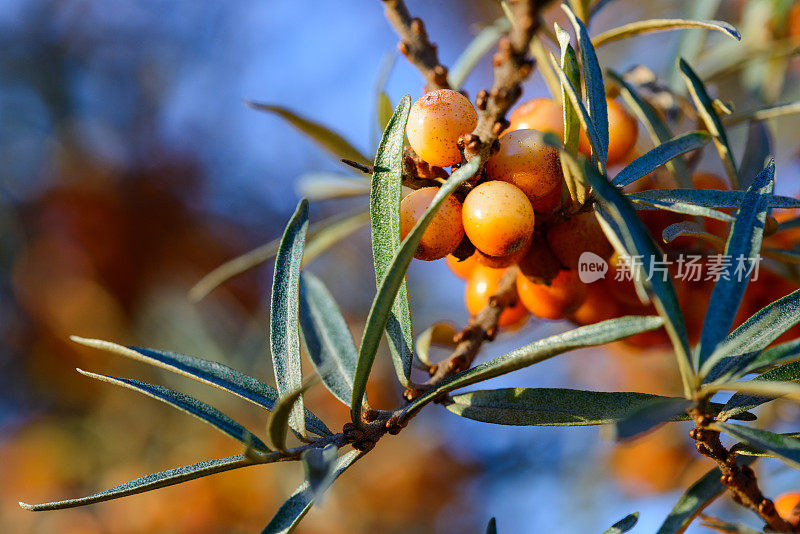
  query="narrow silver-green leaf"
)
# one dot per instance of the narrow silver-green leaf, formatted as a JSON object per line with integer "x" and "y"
{"x": 782, "y": 447}
{"x": 152, "y": 482}
{"x": 763, "y": 114}
{"x": 680, "y": 207}
{"x": 280, "y": 419}
{"x": 656, "y": 128}
{"x": 327, "y": 338}
{"x": 689, "y": 229}
{"x": 538, "y": 351}
{"x": 572, "y": 125}
{"x": 480, "y": 45}
{"x": 322, "y": 236}
{"x": 299, "y": 503}
{"x": 187, "y": 404}
{"x": 319, "y": 465}
{"x": 705, "y": 108}
{"x": 744, "y": 243}
{"x": 624, "y": 524}
{"x": 649, "y": 415}
{"x": 379, "y": 313}
{"x": 320, "y": 186}
{"x": 437, "y": 334}
{"x": 661, "y": 25}
{"x": 639, "y": 243}
{"x": 284, "y": 336}
{"x": 759, "y": 331}
{"x": 595, "y": 88}
{"x": 741, "y": 402}
{"x": 208, "y": 372}
{"x": 322, "y": 135}
{"x": 491, "y": 528}
{"x": 744, "y": 449}
{"x": 695, "y": 499}
{"x": 658, "y": 156}
{"x": 777, "y": 355}
{"x": 384, "y": 208}
{"x": 549, "y": 406}
{"x": 710, "y": 198}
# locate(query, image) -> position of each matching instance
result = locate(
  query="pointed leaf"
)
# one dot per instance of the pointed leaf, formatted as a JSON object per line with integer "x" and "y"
{"x": 384, "y": 208}
{"x": 480, "y": 45}
{"x": 785, "y": 448}
{"x": 320, "y": 468}
{"x": 658, "y": 156}
{"x": 779, "y": 354}
{"x": 538, "y": 351}
{"x": 299, "y": 503}
{"x": 322, "y": 135}
{"x": 695, "y": 499}
{"x": 680, "y": 207}
{"x": 552, "y": 406}
{"x": 741, "y": 402}
{"x": 660, "y": 25}
{"x": 744, "y": 242}
{"x": 279, "y": 420}
{"x": 154, "y": 481}
{"x": 437, "y": 334}
{"x": 189, "y": 405}
{"x": 763, "y": 114}
{"x": 326, "y": 337}
{"x": 710, "y": 198}
{"x": 624, "y": 524}
{"x": 572, "y": 125}
{"x": 284, "y": 337}
{"x": 638, "y": 243}
{"x": 491, "y": 528}
{"x": 595, "y": 88}
{"x": 207, "y": 372}
{"x": 707, "y": 112}
{"x": 325, "y": 234}
{"x": 379, "y": 312}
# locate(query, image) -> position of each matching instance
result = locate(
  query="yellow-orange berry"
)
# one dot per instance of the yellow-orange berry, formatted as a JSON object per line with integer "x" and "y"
{"x": 539, "y": 264}
{"x": 527, "y": 162}
{"x": 500, "y": 262}
{"x": 541, "y": 114}
{"x": 482, "y": 285}
{"x": 598, "y": 306}
{"x": 562, "y": 297}
{"x": 445, "y": 230}
{"x": 498, "y": 218}
{"x": 461, "y": 268}
{"x": 435, "y": 123}
{"x": 622, "y": 132}
{"x": 574, "y": 236}
{"x": 788, "y": 507}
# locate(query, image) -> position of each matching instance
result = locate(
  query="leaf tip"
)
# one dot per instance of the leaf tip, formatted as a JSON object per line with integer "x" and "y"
{"x": 26, "y": 506}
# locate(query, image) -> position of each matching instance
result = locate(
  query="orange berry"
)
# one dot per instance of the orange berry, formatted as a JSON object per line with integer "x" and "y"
{"x": 445, "y": 230}
{"x": 435, "y": 123}
{"x": 483, "y": 284}
{"x": 461, "y": 268}
{"x": 622, "y": 290}
{"x": 788, "y": 507}
{"x": 525, "y": 161}
{"x": 598, "y": 306}
{"x": 546, "y": 115}
{"x": 498, "y": 218}
{"x": 562, "y": 297}
{"x": 539, "y": 264}
{"x": 574, "y": 236}
{"x": 501, "y": 262}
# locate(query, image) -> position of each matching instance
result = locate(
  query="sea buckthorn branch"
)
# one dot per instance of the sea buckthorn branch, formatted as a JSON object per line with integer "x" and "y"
{"x": 740, "y": 480}
{"x": 512, "y": 66}
{"x": 482, "y": 327}
{"x": 415, "y": 44}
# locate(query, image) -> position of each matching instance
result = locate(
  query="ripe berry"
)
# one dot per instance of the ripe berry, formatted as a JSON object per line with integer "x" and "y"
{"x": 574, "y": 236}
{"x": 435, "y": 123}
{"x": 788, "y": 507}
{"x": 501, "y": 262}
{"x": 445, "y": 230}
{"x": 498, "y": 218}
{"x": 461, "y": 268}
{"x": 622, "y": 132}
{"x": 598, "y": 306}
{"x": 562, "y": 297}
{"x": 525, "y": 161}
{"x": 539, "y": 264}
{"x": 541, "y": 114}
{"x": 483, "y": 284}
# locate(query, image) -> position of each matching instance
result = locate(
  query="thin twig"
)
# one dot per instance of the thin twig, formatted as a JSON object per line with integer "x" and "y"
{"x": 740, "y": 480}
{"x": 415, "y": 44}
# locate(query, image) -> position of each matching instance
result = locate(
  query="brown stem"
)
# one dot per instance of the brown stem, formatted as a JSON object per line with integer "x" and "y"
{"x": 512, "y": 66}
{"x": 739, "y": 479}
{"x": 415, "y": 45}
{"x": 482, "y": 327}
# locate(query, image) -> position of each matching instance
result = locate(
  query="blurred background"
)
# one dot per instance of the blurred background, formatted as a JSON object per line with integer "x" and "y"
{"x": 130, "y": 167}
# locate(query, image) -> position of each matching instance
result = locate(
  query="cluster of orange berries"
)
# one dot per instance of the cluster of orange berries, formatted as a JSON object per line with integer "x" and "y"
{"x": 509, "y": 216}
